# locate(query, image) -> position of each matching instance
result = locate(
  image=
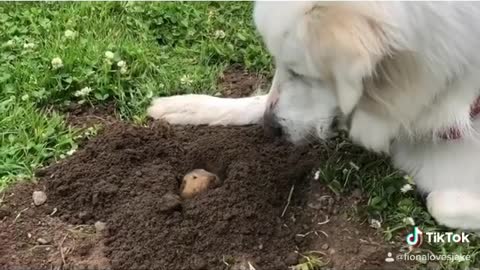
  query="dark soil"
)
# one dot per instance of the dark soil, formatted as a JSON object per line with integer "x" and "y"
{"x": 236, "y": 82}
{"x": 268, "y": 212}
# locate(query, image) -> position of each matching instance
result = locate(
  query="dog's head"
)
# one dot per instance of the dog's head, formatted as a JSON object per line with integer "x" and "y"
{"x": 322, "y": 52}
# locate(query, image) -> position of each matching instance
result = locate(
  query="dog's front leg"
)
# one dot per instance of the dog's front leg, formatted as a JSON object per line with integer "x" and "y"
{"x": 208, "y": 110}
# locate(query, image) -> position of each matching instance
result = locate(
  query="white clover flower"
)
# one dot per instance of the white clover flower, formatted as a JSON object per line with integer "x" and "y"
{"x": 71, "y": 151}
{"x": 83, "y": 92}
{"x": 409, "y": 221}
{"x": 70, "y": 34}
{"x": 186, "y": 80}
{"x": 121, "y": 64}
{"x": 30, "y": 45}
{"x": 374, "y": 223}
{"x": 123, "y": 67}
{"x": 109, "y": 55}
{"x": 25, "y": 97}
{"x": 406, "y": 188}
{"x": 57, "y": 63}
{"x": 219, "y": 34}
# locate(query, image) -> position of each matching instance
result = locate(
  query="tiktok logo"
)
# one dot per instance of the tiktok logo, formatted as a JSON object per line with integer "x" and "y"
{"x": 415, "y": 238}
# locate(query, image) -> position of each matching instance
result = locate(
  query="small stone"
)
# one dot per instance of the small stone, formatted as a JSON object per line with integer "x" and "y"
{"x": 100, "y": 227}
{"x": 84, "y": 216}
{"x": 291, "y": 259}
{"x": 170, "y": 202}
{"x": 198, "y": 263}
{"x": 43, "y": 241}
{"x": 325, "y": 246}
{"x": 29, "y": 235}
{"x": 244, "y": 265}
{"x": 4, "y": 211}
{"x": 39, "y": 197}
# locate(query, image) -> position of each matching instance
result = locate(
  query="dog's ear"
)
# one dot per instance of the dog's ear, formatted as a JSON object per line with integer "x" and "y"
{"x": 348, "y": 44}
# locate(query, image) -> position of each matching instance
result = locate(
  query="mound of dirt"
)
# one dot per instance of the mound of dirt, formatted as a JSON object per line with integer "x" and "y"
{"x": 266, "y": 212}
{"x": 122, "y": 176}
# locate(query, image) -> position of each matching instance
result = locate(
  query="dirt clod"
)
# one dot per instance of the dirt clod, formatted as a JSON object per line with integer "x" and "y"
{"x": 292, "y": 258}
{"x": 169, "y": 202}
{"x": 43, "y": 241}
{"x": 244, "y": 265}
{"x": 4, "y": 211}
{"x": 198, "y": 263}
{"x": 100, "y": 227}
{"x": 39, "y": 197}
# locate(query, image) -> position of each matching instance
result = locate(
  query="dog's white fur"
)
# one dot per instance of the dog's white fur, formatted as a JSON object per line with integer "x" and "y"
{"x": 401, "y": 72}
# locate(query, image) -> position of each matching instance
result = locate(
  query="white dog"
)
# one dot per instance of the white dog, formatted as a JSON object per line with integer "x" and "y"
{"x": 404, "y": 75}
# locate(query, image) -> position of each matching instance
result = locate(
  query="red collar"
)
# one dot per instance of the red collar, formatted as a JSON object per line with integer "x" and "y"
{"x": 454, "y": 133}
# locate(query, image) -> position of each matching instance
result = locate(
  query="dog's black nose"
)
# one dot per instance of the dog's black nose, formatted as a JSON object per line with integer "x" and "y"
{"x": 271, "y": 126}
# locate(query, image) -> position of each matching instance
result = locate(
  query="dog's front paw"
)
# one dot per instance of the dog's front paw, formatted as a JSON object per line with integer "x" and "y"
{"x": 182, "y": 110}
{"x": 373, "y": 132}
{"x": 455, "y": 209}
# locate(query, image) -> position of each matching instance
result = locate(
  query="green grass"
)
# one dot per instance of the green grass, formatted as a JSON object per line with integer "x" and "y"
{"x": 168, "y": 48}
{"x": 55, "y": 54}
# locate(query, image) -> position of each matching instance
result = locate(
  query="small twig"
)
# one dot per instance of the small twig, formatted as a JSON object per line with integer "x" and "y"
{"x": 39, "y": 246}
{"x": 324, "y": 233}
{"x": 305, "y": 234}
{"x": 324, "y": 222}
{"x": 317, "y": 252}
{"x": 19, "y": 214}
{"x": 54, "y": 211}
{"x": 225, "y": 262}
{"x": 288, "y": 200}
{"x": 60, "y": 247}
